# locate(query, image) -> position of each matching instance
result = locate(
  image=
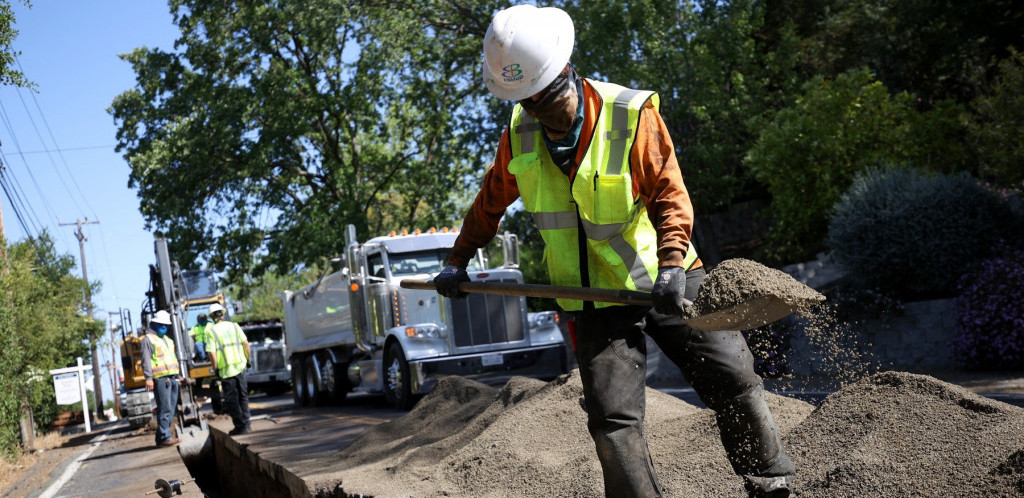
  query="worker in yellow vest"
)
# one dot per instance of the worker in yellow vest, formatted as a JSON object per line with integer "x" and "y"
{"x": 229, "y": 355}
{"x": 198, "y": 334}
{"x": 160, "y": 367}
{"x": 594, "y": 164}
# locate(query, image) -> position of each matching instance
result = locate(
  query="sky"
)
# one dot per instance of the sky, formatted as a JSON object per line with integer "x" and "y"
{"x": 57, "y": 143}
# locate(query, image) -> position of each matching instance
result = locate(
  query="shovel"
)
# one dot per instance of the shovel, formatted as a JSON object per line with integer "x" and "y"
{"x": 745, "y": 315}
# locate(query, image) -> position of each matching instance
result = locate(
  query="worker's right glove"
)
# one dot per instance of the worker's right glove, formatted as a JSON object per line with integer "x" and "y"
{"x": 447, "y": 282}
{"x": 669, "y": 289}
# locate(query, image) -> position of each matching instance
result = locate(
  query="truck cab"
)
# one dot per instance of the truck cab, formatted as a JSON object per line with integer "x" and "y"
{"x": 358, "y": 330}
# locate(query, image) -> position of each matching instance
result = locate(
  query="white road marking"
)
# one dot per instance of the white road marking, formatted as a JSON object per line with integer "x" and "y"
{"x": 69, "y": 472}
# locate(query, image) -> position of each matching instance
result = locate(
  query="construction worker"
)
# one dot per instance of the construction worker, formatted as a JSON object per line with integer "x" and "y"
{"x": 229, "y": 355}
{"x": 198, "y": 333}
{"x": 594, "y": 164}
{"x": 161, "y": 370}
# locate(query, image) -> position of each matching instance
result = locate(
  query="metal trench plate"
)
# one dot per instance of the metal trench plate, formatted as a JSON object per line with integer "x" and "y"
{"x": 748, "y": 314}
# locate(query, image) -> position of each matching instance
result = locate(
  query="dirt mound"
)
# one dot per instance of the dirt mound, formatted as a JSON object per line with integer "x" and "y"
{"x": 893, "y": 434}
{"x": 900, "y": 434}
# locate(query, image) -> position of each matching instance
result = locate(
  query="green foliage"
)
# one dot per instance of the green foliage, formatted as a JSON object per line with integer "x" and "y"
{"x": 999, "y": 125}
{"x": 808, "y": 155}
{"x": 937, "y": 50}
{"x": 912, "y": 234}
{"x": 42, "y": 327}
{"x": 9, "y": 75}
{"x": 271, "y": 127}
{"x": 263, "y": 300}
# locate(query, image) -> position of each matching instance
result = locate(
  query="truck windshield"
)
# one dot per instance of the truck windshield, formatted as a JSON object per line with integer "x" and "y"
{"x": 198, "y": 284}
{"x": 431, "y": 261}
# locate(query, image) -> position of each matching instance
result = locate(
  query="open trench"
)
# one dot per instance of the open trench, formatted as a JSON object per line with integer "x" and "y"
{"x": 224, "y": 467}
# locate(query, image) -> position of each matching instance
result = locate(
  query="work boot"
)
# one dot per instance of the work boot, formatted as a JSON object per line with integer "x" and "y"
{"x": 170, "y": 442}
{"x": 767, "y": 487}
{"x": 237, "y": 431}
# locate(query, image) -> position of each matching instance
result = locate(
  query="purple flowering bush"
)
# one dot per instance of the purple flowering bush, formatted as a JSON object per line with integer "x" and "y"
{"x": 990, "y": 314}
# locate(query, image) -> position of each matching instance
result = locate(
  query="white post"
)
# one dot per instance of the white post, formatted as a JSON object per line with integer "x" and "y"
{"x": 85, "y": 400}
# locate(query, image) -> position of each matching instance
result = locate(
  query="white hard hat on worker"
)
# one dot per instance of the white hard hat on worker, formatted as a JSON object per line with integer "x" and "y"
{"x": 162, "y": 317}
{"x": 525, "y": 49}
{"x": 216, "y": 308}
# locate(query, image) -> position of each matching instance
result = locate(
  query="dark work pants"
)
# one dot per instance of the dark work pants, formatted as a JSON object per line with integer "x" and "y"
{"x": 236, "y": 399}
{"x": 612, "y": 355}
{"x": 165, "y": 392}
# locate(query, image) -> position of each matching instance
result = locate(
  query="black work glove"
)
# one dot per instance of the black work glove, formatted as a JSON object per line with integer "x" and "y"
{"x": 248, "y": 364}
{"x": 447, "y": 282}
{"x": 669, "y": 289}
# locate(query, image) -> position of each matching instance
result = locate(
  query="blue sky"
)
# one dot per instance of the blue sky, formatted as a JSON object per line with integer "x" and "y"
{"x": 57, "y": 144}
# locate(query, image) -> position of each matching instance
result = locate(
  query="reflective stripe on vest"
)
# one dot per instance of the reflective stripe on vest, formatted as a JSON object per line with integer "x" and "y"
{"x": 164, "y": 361}
{"x": 228, "y": 339}
{"x": 621, "y": 241}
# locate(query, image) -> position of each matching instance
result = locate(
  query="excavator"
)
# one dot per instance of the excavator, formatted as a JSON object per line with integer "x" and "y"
{"x": 185, "y": 295}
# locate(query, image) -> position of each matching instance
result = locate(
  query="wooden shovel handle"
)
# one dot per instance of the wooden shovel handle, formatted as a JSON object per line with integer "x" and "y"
{"x": 538, "y": 290}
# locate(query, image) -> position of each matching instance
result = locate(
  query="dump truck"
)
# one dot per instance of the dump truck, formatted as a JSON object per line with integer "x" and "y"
{"x": 358, "y": 330}
{"x": 270, "y": 371}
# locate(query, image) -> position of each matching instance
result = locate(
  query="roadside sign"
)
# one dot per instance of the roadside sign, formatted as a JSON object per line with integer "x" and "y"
{"x": 67, "y": 389}
{"x": 72, "y": 375}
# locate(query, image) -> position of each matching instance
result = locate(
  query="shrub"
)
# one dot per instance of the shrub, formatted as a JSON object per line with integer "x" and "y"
{"x": 910, "y": 233}
{"x": 990, "y": 318}
{"x": 810, "y": 152}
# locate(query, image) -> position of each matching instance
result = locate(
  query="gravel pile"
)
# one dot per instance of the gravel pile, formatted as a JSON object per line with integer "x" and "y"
{"x": 891, "y": 435}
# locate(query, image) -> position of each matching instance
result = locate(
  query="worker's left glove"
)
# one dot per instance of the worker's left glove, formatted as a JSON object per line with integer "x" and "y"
{"x": 248, "y": 365}
{"x": 447, "y": 282}
{"x": 669, "y": 289}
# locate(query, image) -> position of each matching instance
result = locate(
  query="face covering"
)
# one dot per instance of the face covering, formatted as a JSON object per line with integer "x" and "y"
{"x": 202, "y": 321}
{"x": 555, "y": 107}
{"x": 160, "y": 329}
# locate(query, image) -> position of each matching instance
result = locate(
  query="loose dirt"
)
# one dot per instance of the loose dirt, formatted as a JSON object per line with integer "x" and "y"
{"x": 889, "y": 434}
{"x": 893, "y": 434}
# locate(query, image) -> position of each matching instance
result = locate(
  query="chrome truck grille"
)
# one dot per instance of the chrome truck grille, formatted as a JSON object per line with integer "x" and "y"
{"x": 269, "y": 359}
{"x": 494, "y": 320}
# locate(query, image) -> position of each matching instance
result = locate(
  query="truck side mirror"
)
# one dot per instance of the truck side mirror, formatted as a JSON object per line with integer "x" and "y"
{"x": 510, "y": 250}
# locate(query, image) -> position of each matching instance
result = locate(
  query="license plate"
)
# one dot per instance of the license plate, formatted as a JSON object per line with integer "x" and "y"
{"x": 489, "y": 360}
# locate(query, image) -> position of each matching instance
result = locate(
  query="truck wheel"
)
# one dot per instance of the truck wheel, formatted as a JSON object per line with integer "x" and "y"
{"x": 299, "y": 394}
{"x": 317, "y": 397}
{"x": 336, "y": 380}
{"x": 397, "y": 389}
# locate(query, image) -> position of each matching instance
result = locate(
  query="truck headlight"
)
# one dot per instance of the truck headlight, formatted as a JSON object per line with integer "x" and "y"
{"x": 542, "y": 319}
{"x": 430, "y": 331}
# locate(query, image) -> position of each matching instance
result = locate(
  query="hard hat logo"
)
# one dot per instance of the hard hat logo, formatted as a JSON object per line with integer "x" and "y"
{"x": 512, "y": 72}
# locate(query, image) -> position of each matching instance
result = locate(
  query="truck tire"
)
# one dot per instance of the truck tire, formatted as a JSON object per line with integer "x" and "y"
{"x": 397, "y": 389}
{"x": 336, "y": 381}
{"x": 317, "y": 397}
{"x": 299, "y": 393}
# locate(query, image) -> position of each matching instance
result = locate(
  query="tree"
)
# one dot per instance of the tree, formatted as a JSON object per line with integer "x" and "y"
{"x": 8, "y": 74}
{"x": 42, "y": 327}
{"x": 270, "y": 128}
{"x": 262, "y": 300}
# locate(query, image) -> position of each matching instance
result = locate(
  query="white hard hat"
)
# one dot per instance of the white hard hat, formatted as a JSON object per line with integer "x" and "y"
{"x": 215, "y": 307}
{"x": 524, "y": 50}
{"x": 162, "y": 317}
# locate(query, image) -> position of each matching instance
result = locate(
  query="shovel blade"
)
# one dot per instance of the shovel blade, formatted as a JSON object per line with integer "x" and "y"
{"x": 749, "y": 314}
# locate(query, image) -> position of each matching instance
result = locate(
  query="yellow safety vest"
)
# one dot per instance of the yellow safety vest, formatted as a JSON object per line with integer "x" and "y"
{"x": 228, "y": 339}
{"x": 620, "y": 243}
{"x": 165, "y": 362}
{"x": 198, "y": 332}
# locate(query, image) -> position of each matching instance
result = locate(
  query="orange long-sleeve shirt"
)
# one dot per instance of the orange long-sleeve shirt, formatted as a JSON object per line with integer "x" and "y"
{"x": 656, "y": 179}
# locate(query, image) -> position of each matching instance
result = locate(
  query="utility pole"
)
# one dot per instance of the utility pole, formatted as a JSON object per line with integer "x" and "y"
{"x": 97, "y": 380}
